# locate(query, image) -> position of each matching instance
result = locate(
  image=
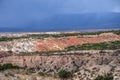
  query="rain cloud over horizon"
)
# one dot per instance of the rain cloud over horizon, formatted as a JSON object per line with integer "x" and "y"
{"x": 15, "y": 13}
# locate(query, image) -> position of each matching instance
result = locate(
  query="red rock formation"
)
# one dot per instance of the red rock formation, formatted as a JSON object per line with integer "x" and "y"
{"x": 63, "y": 42}
{"x": 50, "y": 43}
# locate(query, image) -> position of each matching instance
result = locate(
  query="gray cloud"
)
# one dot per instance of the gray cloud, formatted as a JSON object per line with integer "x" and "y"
{"x": 16, "y": 12}
{"x": 81, "y": 6}
{"x": 22, "y": 12}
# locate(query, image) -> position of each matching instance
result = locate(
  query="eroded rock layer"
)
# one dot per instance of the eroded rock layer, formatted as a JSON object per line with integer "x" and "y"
{"x": 85, "y": 64}
{"x": 50, "y": 43}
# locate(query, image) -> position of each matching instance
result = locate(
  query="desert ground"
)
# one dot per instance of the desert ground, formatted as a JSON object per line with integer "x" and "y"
{"x": 41, "y": 56}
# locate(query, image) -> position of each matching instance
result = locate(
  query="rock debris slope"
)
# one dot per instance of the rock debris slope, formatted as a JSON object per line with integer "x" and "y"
{"x": 85, "y": 64}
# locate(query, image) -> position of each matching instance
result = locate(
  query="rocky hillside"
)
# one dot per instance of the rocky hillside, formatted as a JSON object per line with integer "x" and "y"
{"x": 50, "y": 43}
{"x": 42, "y": 57}
{"x": 85, "y": 65}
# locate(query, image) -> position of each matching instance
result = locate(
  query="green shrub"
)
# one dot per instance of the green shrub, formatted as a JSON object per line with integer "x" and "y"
{"x": 8, "y": 66}
{"x": 96, "y": 46}
{"x": 104, "y": 77}
{"x": 63, "y": 74}
{"x": 11, "y": 38}
{"x": 10, "y": 51}
{"x": 41, "y": 36}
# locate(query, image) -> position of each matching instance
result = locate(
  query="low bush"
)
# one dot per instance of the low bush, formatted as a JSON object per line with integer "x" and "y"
{"x": 8, "y": 66}
{"x": 63, "y": 74}
{"x": 41, "y": 36}
{"x": 104, "y": 77}
{"x": 96, "y": 46}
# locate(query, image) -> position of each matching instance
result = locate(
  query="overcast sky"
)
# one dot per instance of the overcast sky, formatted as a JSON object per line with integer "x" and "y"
{"x": 19, "y": 12}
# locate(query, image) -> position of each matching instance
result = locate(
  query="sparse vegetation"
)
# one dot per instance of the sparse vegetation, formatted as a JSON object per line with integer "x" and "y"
{"x": 11, "y": 38}
{"x": 58, "y": 35}
{"x": 96, "y": 46}
{"x": 72, "y": 34}
{"x": 63, "y": 74}
{"x": 42, "y": 52}
{"x": 104, "y": 77}
{"x": 8, "y": 66}
{"x": 10, "y": 51}
{"x": 113, "y": 45}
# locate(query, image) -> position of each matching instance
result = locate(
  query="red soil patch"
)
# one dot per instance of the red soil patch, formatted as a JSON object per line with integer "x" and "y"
{"x": 63, "y": 42}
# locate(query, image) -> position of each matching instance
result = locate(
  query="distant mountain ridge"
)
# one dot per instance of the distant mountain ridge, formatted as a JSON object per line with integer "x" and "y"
{"x": 63, "y": 22}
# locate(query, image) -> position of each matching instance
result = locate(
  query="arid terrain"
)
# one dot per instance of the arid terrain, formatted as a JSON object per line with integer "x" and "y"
{"x": 51, "y": 43}
{"x": 41, "y": 58}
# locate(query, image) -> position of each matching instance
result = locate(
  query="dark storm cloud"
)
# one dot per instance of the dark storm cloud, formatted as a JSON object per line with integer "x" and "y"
{"x": 16, "y": 12}
{"x": 83, "y": 6}
{"x": 22, "y": 12}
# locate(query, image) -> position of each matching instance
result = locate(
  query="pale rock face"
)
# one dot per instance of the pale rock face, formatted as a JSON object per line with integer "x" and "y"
{"x": 46, "y": 44}
{"x": 86, "y": 65}
{"x": 23, "y": 46}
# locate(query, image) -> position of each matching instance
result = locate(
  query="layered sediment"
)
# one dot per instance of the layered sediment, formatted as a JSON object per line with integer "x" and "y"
{"x": 85, "y": 65}
{"x": 50, "y": 43}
